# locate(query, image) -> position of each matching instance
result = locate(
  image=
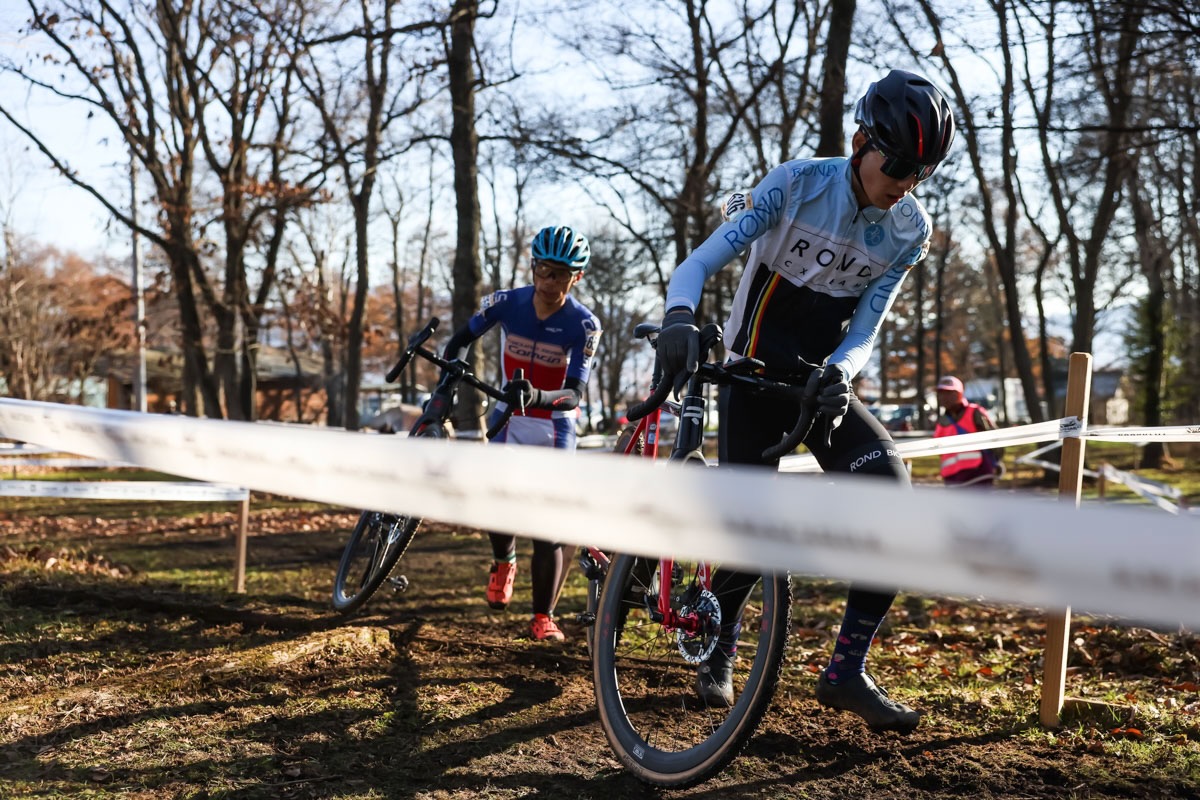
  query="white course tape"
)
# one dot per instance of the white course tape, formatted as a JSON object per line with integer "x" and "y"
{"x": 1128, "y": 562}
{"x": 22, "y": 449}
{"x": 1052, "y": 467}
{"x": 123, "y": 490}
{"x": 1153, "y": 491}
{"x": 61, "y": 463}
{"x": 1142, "y": 484}
{"x": 1177, "y": 433}
{"x": 1032, "y": 456}
{"x": 1000, "y": 437}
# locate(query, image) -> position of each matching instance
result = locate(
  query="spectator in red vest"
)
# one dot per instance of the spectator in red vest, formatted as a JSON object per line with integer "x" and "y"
{"x": 973, "y": 467}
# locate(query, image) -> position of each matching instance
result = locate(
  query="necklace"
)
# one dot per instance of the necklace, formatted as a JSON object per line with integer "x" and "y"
{"x": 882, "y": 214}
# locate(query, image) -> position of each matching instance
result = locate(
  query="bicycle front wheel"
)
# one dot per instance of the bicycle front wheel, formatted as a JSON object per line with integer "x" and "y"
{"x": 376, "y": 544}
{"x": 644, "y": 673}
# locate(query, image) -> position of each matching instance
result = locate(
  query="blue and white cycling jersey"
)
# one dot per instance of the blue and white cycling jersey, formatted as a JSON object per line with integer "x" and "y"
{"x": 821, "y": 274}
{"x": 549, "y": 350}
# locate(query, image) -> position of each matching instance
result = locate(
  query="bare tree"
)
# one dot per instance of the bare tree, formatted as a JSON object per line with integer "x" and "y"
{"x": 129, "y": 68}
{"x": 687, "y": 91}
{"x": 1101, "y": 157}
{"x": 32, "y": 326}
{"x": 610, "y": 289}
{"x": 245, "y": 76}
{"x": 357, "y": 103}
{"x": 59, "y": 316}
{"x": 464, "y": 147}
{"x": 999, "y": 213}
{"x": 1161, "y": 187}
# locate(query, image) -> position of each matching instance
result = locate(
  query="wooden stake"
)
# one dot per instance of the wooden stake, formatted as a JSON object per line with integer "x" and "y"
{"x": 239, "y": 567}
{"x": 1070, "y": 488}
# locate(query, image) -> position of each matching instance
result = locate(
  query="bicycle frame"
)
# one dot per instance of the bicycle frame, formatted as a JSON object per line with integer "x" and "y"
{"x": 688, "y": 448}
{"x": 453, "y": 373}
{"x": 645, "y": 430}
{"x": 594, "y": 561}
{"x": 689, "y": 438}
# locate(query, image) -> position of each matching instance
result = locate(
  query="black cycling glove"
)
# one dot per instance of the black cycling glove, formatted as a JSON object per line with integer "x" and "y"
{"x": 833, "y": 394}
{"x": 521, "y": 394}
{"x": 678, "y": 347}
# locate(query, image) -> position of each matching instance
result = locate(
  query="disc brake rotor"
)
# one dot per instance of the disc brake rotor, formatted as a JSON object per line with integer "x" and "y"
{"x": 697, "y": 647}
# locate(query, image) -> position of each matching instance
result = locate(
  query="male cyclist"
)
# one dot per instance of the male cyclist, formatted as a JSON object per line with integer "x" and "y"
{"x": 830, "y": 241}
{"x": 552, "y": 337}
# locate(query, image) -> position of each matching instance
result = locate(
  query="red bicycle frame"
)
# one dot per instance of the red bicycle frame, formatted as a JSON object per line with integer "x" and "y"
{"x": 647, "y": 431}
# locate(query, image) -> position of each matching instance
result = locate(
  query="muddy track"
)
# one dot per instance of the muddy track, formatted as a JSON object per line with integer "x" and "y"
{"x": 116, "y": 684}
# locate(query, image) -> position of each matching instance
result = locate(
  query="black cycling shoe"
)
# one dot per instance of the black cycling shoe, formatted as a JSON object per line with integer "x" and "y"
{"x": 860, "y": 695}
{"x": 714, "y": 679}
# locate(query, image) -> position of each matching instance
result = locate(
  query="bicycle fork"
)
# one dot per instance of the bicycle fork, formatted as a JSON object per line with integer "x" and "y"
{"x": 689, "y": 622}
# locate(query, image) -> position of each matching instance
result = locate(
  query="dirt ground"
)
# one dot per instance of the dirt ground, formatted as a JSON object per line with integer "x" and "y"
{"x": 127, "y": 669}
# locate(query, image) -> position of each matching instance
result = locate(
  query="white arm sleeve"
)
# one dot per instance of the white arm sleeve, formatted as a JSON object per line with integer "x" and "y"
{"x": 872, "y": 308}
{"x": 759, "y": 210}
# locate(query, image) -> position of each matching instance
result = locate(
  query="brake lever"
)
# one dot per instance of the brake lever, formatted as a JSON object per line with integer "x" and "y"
{"x": 519, "y": 374}
{"x": 804, "y": 425}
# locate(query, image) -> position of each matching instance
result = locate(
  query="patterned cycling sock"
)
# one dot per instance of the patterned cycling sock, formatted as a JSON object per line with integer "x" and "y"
{"x": 728, "y": 638}
{"x": 853, "y": 641}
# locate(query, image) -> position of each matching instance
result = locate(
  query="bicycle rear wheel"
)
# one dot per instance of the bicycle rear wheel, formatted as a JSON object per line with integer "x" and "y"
{"x": 657, "y": 725}
{"x": 376, "y": 544}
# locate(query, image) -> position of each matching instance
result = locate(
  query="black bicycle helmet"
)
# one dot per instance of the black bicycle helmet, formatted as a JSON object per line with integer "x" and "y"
{"x": 563, "y": 245}
{"x": 905, "y": 117}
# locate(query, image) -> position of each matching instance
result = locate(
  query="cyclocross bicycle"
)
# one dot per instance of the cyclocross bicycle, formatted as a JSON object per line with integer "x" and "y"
{"x": 658, "y": 619}
{"x": 380, "y": 538}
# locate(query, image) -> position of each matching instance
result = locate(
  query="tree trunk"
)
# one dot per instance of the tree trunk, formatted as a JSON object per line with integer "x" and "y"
{"x": 354, "y": 332}
{"x": 1155, "y": 259}
{"x": 195, "y": 356}
{"x": 833, "y": 80}
{"x": 1001, "y": 238}
{"x": 464, "y": 145}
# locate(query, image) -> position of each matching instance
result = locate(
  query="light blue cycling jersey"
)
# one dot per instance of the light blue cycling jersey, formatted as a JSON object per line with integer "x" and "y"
{"x": 821, "y": 274}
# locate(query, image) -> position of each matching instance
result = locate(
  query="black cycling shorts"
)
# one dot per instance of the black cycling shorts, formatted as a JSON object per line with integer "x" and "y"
{"x": 753, "y": 420}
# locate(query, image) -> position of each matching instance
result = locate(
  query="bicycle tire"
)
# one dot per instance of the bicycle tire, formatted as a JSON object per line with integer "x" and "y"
{"x": 656, "y": 724}
{"x": 624, "y": 437}
{"x": 376, "y": 545}
{"x": 595, "y": 593}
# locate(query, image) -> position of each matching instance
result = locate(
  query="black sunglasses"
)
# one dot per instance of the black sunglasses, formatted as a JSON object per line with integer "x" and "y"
{"x": 900, "y": 168}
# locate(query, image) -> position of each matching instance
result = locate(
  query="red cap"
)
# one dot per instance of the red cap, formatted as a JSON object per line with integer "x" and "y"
{"x": 950, "y": 384}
